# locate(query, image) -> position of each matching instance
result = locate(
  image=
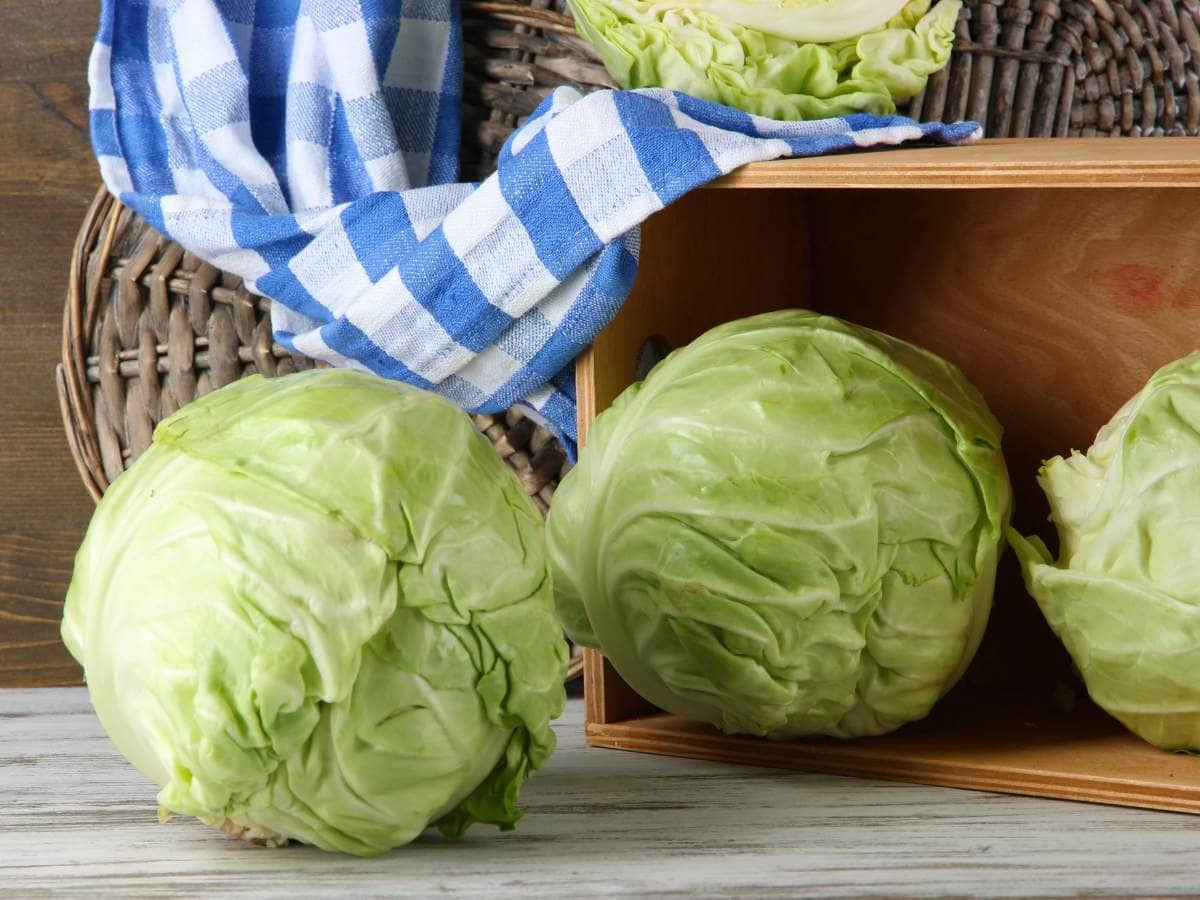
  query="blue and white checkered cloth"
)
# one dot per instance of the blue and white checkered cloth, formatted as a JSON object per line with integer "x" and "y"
{"x": 310, "y": 146}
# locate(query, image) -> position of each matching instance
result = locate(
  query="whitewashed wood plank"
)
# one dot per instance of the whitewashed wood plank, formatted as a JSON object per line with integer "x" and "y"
{"x": 75, "y": 819}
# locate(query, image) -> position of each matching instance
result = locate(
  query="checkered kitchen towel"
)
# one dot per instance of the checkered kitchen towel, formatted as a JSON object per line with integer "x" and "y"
{"x": 310, "y": 146}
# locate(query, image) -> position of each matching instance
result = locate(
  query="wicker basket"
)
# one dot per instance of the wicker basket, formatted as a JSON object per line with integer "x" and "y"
{"x": 148, "y": 327}
{"x": 1072, "y": 69}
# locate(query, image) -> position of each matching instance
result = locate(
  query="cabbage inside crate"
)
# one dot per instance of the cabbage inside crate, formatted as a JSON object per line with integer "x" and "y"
{"x": 1058, "y": 275}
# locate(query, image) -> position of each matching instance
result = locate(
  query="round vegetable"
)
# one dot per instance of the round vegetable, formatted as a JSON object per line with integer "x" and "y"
{"x": 783, "y": 59}
{"x": 1124, "y": 594}
{"x": 789, "y": 527}
{"x": 318, "y": 608}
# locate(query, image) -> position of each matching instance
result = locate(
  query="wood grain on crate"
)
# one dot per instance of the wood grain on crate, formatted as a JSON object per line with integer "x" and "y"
{"x": 998, "y": 163}
{"x": 78, "y": 819}
{"x": 771, "y": 229}
{"x": 47, "y": 176}
{"x": 1015, "y": 747}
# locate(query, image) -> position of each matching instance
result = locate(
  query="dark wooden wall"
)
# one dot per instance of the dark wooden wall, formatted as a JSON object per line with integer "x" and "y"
{"x": 47, "y": 177}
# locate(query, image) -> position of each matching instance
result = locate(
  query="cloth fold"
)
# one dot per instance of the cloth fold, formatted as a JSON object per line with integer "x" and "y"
{"x": 311, "y": 147}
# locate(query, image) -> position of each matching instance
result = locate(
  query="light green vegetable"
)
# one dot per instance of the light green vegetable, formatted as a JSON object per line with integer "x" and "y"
{"x": 1124, "y": 594}
{"x": 789, "y": 527}
{"x": 318, "y": 608}
{"x": 783, "y": 59}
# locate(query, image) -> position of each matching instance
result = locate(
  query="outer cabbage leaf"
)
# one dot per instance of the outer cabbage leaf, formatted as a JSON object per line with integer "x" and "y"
{"x": 318, "y": 608}
{"x": 1124, "y": 594}
{"x": 849, "y": 63}
{"x": 789, "y": 527}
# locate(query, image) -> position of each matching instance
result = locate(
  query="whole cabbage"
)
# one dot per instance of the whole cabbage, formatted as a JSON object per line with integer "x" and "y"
{"x": 782, "y": 59}
{"x": 789, "y": 527}
{"x": 1124, "y": 594}
{"x": 318, "y": 608}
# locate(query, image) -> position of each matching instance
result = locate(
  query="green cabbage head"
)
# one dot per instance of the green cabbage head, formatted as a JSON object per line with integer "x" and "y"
{"x": 789, "y": 527}
{"x": 783, "y": 59}
{"x": 1124, "y": 594}
{"x": 318, "y": 608}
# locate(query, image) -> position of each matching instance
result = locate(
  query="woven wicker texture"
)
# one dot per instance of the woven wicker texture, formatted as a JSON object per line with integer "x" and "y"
{"x": 1038, "y": 68}
{"x": 148, "y": 327}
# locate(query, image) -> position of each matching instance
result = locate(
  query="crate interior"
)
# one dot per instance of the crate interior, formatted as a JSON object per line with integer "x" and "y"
{"x": 1057, "y": 303}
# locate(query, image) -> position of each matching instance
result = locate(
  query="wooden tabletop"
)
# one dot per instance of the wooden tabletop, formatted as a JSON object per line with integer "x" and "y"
{"x": 47, "y": 178}
{"x": 76, "y": 819}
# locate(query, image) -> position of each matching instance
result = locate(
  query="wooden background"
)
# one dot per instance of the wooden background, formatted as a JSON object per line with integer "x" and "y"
{"x": 47, "y": 177}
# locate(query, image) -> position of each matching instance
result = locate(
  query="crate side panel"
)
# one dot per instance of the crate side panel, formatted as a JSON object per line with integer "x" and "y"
{"x": 1019, "y": 748}
{"x": 999, "y": 163}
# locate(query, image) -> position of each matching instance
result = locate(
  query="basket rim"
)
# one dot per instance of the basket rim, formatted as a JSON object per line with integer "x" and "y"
{"x": 75, "y": 399}
{"x": 522, "y": 14}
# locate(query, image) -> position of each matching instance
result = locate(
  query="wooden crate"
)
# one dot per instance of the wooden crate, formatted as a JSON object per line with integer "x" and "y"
{"x": 1058, "y": 275}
